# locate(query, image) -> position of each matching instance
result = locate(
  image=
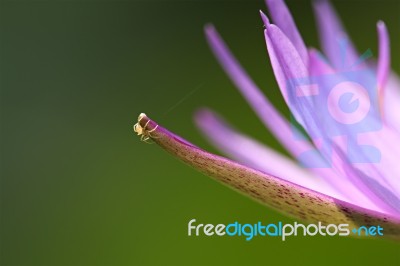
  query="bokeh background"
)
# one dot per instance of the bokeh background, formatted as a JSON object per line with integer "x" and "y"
{"x": 79, "y": 188}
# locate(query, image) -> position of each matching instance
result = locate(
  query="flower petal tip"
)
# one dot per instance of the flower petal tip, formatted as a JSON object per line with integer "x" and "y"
{"x": 204, "y": 117}
{"x": 381, "y": 25}
{"x": 264, "y": 18}
{"x": 318, "y": 3}
{"x": 201, "y": 113}
{"x": 383, "y": 67}
{"x": 209, "y": 29}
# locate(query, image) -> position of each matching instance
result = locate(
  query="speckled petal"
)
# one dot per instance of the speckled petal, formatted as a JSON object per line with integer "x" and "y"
{"x": 256, "y": 155}
{"x": 285, "y": 197}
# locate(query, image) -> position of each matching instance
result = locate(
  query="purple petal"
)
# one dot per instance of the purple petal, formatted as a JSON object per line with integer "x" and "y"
{"x": 289, "y": 70}
{"x": 318, "y": 66}
{"x": 286, "y": 197}
{"x": 277, "y": 69}
{"x": 334, "y": 40}
{"x": 368, "y": 180}
{"x": 288, "y": 57}
{"x": 260, "y": 104}
{"x": 286, "y": 64}
{"x": 388, "y": 168}
{"x": 282, "y": 17}
{"x": 384, "y": 55}
{"x": 391, "y": 102}
{"x": 264, "y": 18}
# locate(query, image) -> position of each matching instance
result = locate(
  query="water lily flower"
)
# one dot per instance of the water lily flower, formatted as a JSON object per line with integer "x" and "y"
{"x": 347, "y": 168}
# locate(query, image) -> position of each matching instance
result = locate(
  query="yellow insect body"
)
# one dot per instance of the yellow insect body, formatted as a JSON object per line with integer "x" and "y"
{"x": 145, "y": 135}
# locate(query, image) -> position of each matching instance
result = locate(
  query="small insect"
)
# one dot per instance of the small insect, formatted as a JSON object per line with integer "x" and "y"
{"x": 145, "y": 135}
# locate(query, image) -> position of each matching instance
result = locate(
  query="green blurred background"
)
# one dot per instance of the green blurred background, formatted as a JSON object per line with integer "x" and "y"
{"x": 79, "y": 188}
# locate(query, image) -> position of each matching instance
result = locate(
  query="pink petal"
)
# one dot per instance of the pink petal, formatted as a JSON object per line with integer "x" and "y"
{"x": 318, "y": 66}
{"x": 286, "y": 64}
{"x": 334, "y": 40}
{"x": 288, "y": 58}
{"x": 384, "y": 55}
{"x": 282, "y": 17}
{"x": 264, "y": 18}
{"x": 289, "y": 70}
{"x": 391, "y": 102}
{"x": 369, "y": 182}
